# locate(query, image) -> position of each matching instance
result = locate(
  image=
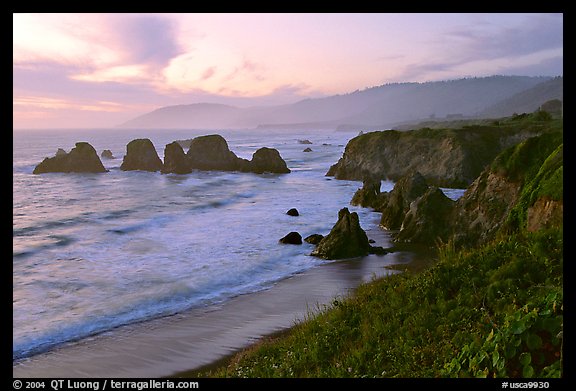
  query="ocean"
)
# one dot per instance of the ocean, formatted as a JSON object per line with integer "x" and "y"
{"x": 93, "y": 252}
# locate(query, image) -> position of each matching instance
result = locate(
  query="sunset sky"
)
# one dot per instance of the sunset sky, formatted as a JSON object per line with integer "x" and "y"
{"x": 99, "y": 70}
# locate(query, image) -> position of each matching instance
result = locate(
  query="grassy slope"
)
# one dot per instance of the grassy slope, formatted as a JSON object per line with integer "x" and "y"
{"x": 485, "y": 312}
{"x": 490, "y": 311}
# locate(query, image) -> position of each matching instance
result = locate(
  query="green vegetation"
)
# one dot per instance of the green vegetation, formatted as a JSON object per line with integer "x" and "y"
{"x": 494, "y": 310}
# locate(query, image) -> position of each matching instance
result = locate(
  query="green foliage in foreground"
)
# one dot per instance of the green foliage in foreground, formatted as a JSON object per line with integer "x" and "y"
{"x": 495, "y": 311}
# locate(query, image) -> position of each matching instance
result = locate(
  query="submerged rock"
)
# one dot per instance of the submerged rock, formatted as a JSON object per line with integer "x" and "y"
{"x": 175, "y": 160}
{"x": 292, "y": 238}
{"x": 346, "y": 239}
{"x": 141, "y": 155}
{"x": 304, "y": 141}
{"x": 307, "y": 150}
{"x": 82, "y": 158}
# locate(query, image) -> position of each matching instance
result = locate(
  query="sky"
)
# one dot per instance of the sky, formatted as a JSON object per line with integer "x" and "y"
{"x": 100, "y": 70}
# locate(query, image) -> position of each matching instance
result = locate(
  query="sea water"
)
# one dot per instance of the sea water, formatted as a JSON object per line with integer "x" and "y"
{"x": 92, "y": 252}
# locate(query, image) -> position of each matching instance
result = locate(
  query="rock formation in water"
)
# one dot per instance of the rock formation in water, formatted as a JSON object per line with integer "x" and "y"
{"x": 82, "y": 159}
{"x": 61, "y": 152}
{"x": 369, "y": 195}
{"x": 107, "y": 154}
{"x": 395, "y": 204}
{"x": 292, "y": 238}
{"x": 212, "y": 153}
{"x": 175, "y": 160}
{"x": 267, "y": 160}
{"x": 307, "y": 150}
{"x": 293, "y": 212}
{"x": 141, "y": 155}
{"x": 346, "y": 239}
{"x": 314, "y": 239}
{"x": 427, "y": 219}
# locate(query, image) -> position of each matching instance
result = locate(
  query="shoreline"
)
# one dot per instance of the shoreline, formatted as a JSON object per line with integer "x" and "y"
{"x": 202, "y": 337}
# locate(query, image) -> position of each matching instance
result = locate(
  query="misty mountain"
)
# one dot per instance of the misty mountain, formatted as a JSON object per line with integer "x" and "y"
{"x": 527, "y": 101}
{"x": 379, "y": 106}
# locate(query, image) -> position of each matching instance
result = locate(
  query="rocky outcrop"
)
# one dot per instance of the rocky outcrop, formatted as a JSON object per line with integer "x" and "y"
{"x": 107, "y": 154}
{"x": 82, "y": 159}
{"x": 212, "y": 153}
{"x": 369, "y": 195}
{"x": 307, "y": 150}
{"x": 522, "y": 189}
{"x": 291, "y": 238}
{"x": 346, "y": 239}
{"x": 314, "y": 239}
{"x": 395, "y": 204}
{"x": 293, "y": 212}
{"x": 141, "y": 155}
{"x": 175, "y": 160}
{"x": 61, "y": 152}
{"x": 545, "y": 213}
{"x": 267, "y": 160}
{"x": 427, "y": 219}
{"x": 445, "y": 157}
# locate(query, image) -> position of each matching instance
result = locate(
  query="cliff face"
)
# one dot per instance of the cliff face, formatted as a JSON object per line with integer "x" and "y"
{"x": 521, "y": 189}
{"x": 445, "y": 157}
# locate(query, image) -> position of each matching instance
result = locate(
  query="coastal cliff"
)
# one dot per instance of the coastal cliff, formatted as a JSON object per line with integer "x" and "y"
{"x": 520, "y": 189}
{"x": 445, "y": 157}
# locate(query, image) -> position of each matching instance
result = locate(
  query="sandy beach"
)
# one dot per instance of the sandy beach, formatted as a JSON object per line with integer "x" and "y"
{"x": 201, "y": 336}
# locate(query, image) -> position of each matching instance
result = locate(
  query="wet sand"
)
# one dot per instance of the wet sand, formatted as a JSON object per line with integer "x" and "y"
{"x": 199, "y": 337}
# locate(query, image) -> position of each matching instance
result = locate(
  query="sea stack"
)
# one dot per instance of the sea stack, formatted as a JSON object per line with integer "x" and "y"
{"x": 82, "y": 159}
{"x": 346, "y": 239}
{"x": 141, "y": 155}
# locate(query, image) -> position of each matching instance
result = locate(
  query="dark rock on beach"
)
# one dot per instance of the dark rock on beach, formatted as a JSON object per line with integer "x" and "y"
{"x": 82, "y": 158}
{"x": 293, "y": 212}
{"x": 346, "y": 239}
{"x": 292, "y": 238}
{"x": 175, "y": 160}
{"x": 107, "y": 154}
{"x": 141, "y": 155}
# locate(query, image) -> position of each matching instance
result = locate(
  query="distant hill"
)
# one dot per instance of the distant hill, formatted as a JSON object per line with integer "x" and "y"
{"x": 527, "y": 101}
{"x": 371, "y": 108}
{"x": 200, "y": 115}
